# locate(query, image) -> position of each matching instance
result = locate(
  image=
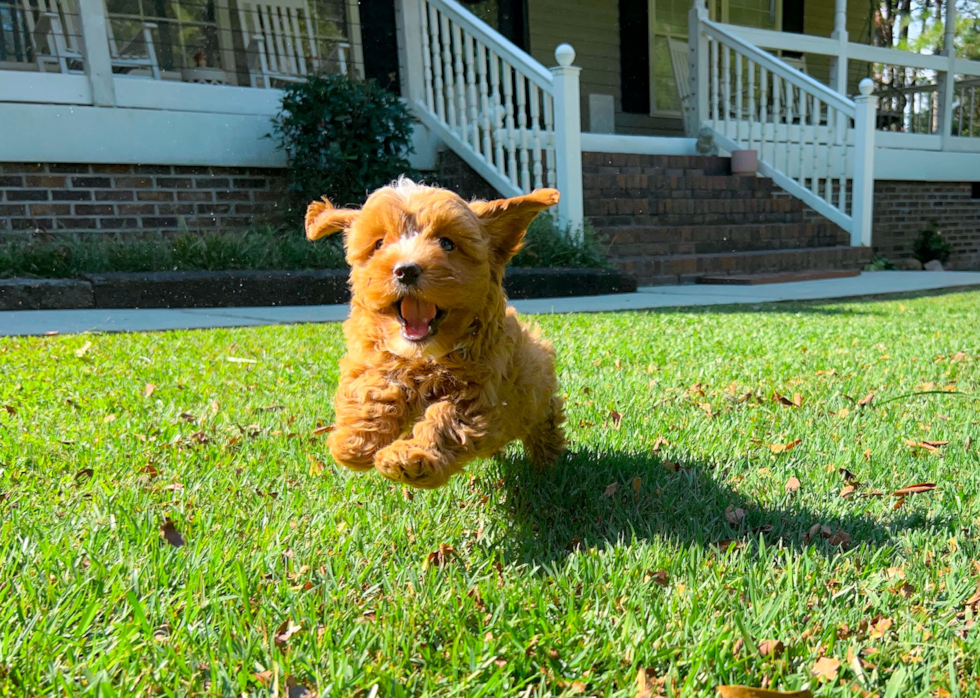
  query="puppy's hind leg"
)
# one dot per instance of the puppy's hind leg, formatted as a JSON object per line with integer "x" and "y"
{"x": 545, "y": 442}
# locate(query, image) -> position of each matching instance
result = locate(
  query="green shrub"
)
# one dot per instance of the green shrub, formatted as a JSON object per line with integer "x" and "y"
{"x": 261, "y": 248}
{"x": 880, "y": 263}
{"x": 343, "y": 139}
{"x": 932, "y": 245}
{"x": 549, "y": 245}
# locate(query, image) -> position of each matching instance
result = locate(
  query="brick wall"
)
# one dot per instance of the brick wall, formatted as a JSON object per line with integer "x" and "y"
{"x": 902, "y": 209}
{"x": 133, "y": 200}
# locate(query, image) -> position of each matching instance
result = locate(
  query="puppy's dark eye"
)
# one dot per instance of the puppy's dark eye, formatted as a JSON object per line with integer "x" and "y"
{"x": 447, "y": 244}
{"x": 379, "y": 244}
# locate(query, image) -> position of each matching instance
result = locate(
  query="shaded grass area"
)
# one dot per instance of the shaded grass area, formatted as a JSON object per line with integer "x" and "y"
{"x": 508, "y": 581}
{"x": 49, "y": 256}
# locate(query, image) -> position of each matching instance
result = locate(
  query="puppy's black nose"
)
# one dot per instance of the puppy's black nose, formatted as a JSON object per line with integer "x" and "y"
{"x": 408, "y": 274}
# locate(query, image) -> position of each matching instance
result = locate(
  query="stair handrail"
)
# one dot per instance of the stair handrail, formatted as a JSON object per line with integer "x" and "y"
{"x": 800, "y": 129}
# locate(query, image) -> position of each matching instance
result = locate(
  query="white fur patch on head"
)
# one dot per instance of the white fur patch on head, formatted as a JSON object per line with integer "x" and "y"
{"x": 406, "y": 187}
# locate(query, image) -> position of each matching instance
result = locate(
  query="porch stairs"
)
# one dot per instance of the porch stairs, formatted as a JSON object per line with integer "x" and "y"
{"x": 677, "y": 219}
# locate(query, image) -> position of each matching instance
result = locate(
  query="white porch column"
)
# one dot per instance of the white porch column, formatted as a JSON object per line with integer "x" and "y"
{"x": 408, "y": 29}
{"x": 698, "y": 45}
{"x": 863, "y": 186}
{"x": 947, "y": 81}
{"x": 838, "y": 71}
{"x": 568, "y": 139}
{"x": 98, "y": 64}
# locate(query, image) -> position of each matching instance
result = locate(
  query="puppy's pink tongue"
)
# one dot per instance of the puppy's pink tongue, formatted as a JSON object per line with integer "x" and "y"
{"x": 417, "y": 315}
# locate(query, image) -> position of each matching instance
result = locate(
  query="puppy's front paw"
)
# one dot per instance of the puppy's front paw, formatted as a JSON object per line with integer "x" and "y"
{"x": 353, "y": 449}
{"x": 406, "y": 462}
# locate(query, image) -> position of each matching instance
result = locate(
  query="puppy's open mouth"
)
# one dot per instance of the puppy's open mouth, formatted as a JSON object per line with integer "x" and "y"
{"x": 419, "y": 319}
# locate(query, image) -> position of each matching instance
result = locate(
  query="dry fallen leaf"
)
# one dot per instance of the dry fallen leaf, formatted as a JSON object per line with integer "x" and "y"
{"x": 171, "y": 534}
{"x": 776, "y": 397}
{"x": 968, "y": 444}
{"x": 408, "y": 494}
{"x": 866, "y": 400}
{"x": 930, "y": 446}
{"x": 660, "y": 578}
{"x": 648, "y": 685}
{"x": 661, "y": 441}
{"x": 263, "y": 677}
{"x": 792, "y": 485}
{"x": 975, "y": 599}
{"x": 781, "y": 448}
{"x": 637, "y": 484}
{"x": 914, "y": 489}
{"x": 771, "y": 648}
{"x": 148, "y": 390}
{"x": 751, "y": 692}
{"x": 286, "y": 631}
{"x": 616, "y": 417}
{"x": 841, "y": 538}
{"x": 84, "y": 474}
{"x": 734, "y": 515}
{"x": 847, "y": 491}
{"x": 439, "y": 557}
{"x": 323, "y": 430}
{"x": 826, "y": 669}
{"x": 611, "y": 489}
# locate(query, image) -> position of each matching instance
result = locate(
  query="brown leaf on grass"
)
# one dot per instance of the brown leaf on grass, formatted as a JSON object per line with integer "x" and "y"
{"x": 323, "y": 429}
{"x": 782, "y": 448}
{"x": 285, "y": 631}
{"x": 975, "y": 599}
{"x": 616, "y": 417}
{"x": 173, "y": 487}
{"x": 785, "y": 401}
{"x": 727, "y": 544}
{"x": 270, "y": 408}
{"x": 792, "y": 485}
{"x": 898, "y": 504}
{"x": 149, "y": 389}
{"x": 84, "y": 474}
{"x": 914, "y": 489}
{"x": 707, "y": 409}
{"x": 661, "y": 441}
{"x": 847, "y": 491}
{"x": 660, "y": 578}
{"x": 637, "y": 484}
{"x": 771, "y": 648}
{"x": 611, "y": 489}
{"x": 83, "y": 350}
{"x": 879, "y": 627}
{"x": 439, "y": 557}
{"x": 263, "y": 677}
{"x": 826, "y": 669}
{"x": 849, "y": 477}
{"x": 866, "y": 400}
{"x": 648, "y": 684}
{"x": 9, "y": 409}
{"x": 968, "y": 444}
{"x": 734, "y": 515}
{"x": 840, "y": 538}
{"x": 408, "y": 494}
{"x": 752, "y": 692}
{"x": 673, "y": 466}
{"x": 171, "y": 534}
{"x": 930, "y": 446}
{"x": 904, "y": 590}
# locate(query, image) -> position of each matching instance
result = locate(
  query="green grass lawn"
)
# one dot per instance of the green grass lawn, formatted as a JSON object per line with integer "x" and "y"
{"x": 508, "y": 581}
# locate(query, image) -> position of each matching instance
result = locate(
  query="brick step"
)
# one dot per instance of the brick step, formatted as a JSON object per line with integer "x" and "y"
{"x": 636, "y": 241}
{"x": 656, "y": 186}
{"x": 672, "y": 269}
{"x": 674, "y": 165}
{"x": 691, "y": 212}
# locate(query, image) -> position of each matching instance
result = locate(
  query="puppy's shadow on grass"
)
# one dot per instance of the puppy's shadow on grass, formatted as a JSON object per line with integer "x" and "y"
{"x": 593, "y": 498}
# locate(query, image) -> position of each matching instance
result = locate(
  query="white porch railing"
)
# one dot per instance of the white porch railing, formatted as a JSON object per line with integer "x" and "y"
{"x": 812, "y": 141}
{"x": 513, "y": 121}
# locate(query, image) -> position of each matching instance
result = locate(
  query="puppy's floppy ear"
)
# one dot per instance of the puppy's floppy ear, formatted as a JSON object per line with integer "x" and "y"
{"x": 507, "y": 219}
{"x": 323, "y": 219}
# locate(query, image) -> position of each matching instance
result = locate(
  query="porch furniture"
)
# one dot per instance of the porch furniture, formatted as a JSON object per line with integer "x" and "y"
{"x": 56, "y": 38}
{"x": 680, "y": 61}
{"x": 203, "y": 75}
{"x": 280, "y": 44}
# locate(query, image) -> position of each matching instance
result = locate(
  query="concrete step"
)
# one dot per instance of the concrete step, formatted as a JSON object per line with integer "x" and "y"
{"x": 672, "y": 269}
{"x": 637, "y": 241}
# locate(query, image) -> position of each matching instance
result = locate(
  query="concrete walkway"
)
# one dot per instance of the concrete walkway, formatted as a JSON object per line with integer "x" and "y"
{"x": 39, "y": 322}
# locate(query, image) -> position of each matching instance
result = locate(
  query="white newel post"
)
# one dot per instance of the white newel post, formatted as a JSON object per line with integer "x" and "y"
{"x": 408, "y": 29}
{"x": 568, "y": 139}
{"x": 98, "y": 64}
{"x": 947, "y": 81}
{"x": 698, "y": 46}
{"x": 862, "y": 201}
{"x": 838, "y": 75}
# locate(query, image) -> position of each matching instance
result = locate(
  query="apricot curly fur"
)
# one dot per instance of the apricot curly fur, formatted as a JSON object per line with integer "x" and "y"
{"x": 418, "y": 410}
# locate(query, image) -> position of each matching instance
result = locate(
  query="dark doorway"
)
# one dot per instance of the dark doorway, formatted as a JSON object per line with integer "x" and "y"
{"x": 380, "y": 43}
{"x": 793, "y": 16}
{"x": 634, "y": 56}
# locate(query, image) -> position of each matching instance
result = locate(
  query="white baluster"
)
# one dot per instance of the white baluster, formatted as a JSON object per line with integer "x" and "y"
{"x": 536, "y": 137}
{"x": 437, "y": 64}
{"x": 739, "y": 97}
{"x": 485, "y": 103}
{"x": 816, "y": 152}
{"x": 715, "y": 68}
{"x": 447, "y": 62}
{"x": 471, "y": 93}
{"x": 973, "y": 112}
{"x": 508, "y": 80}
{"x": 804, "y": 165}
{"x": 751, "y": 67}
{"x": 427, "y": 55}
{"x": 764, "y": 112}
{"x": 524, "y": 134}
{"x": 462, "y": 108}
{"x": 828, "y": 185}
{"x": 499, "y": 162}
{"x": 841, "y": 129}
{"x": 549, "y": 128}
{"x": 726, "y": 77}
{"x": 777, "y": 117}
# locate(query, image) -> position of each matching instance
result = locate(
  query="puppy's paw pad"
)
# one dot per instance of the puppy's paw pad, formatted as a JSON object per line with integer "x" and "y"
{"x": 410, "y": 465}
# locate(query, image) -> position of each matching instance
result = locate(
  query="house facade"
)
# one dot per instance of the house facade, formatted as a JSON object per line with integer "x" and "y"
{"x": 139, "y": 118}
